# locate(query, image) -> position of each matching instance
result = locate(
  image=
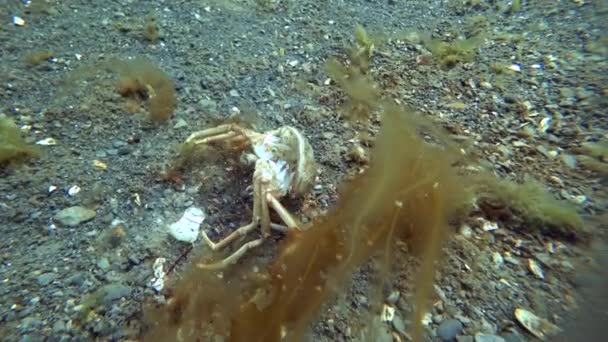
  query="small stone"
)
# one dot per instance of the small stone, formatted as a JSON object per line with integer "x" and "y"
{"x": 398, "y": 325}
{"x": 115, "y": 291}
{"x": 362, "y": 301}
{"x": 449, "y": 329}
{"x": 488, "y": 338}
{"x": 497, "y": 259}
{"x": 437, "y": 319}
{"x": 123, "y": 151}
{"x": 118, "y": 143}
{"x": 466, "y": 231}
{"x": 112, "y": 151}
{"x": 512, "y": 337}
{"x": 464, "y": 320}
{"x": 393, "y": 297}
{"x": 59, "y": 327}
{"x": 208, "y": 105}
{"x": 181, "y": 123}
{"x": 104, "y": 264}
{"x": 46, "y": 278}
{"x": 74, "y": 216}
{"x": 101, "y": 154}
{"x": 328, "y": 135}
{"x": 465, "y": 338}
{"x": 234, "y": 93}
{"x": 569, "y": 161}
{"x": 77, "y": 279}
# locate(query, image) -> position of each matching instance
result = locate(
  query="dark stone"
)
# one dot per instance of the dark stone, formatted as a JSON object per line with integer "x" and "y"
{"x": 449, "y": 329}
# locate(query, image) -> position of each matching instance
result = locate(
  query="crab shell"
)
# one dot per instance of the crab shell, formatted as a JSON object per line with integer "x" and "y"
{"x": 285, "y": 155}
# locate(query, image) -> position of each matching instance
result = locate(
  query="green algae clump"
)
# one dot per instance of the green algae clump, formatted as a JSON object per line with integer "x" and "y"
{"x": 144, "y": 82}
{"x": 533, "y": 203}
{"x": 13, "y": 149}
{"x": 449, "y": 54}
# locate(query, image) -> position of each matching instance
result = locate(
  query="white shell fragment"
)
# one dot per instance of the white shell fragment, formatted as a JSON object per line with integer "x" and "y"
{"x": 187, "y": 228}
{"x": 544, "y": 125}
{"x": 158, "y": 281}
{"x": 497, "y": 259}
{"x": 427, "y": 318}
{"x": 515, "y": 67}
{"x": 539, "y": 327}
{"x": 52, "y": 188}
{"x": 73, "y": 190}
{"x": 388, "y": 313}
{"x": 47, "y": 142}
{"x": 18, "y": 21}
{"x": 489, "y": 226}
{"x": 535, "y": 269}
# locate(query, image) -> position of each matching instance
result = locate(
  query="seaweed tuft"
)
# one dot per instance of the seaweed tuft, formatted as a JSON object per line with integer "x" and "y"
{"x": 13, "y": 149}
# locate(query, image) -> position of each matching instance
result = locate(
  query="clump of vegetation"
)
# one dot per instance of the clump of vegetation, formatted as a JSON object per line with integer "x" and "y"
{"x": 13, "y": 149}
{"x": 361, "y": 54}
{"x": 147, "y": 28}
{"x": 533, "y": 203}
{"x": 593, "y": 164}
{"x": 449, "y": 54}
{"x": 151, "y": 31}
{"x": 597, "y": 150}
{"x": 145, "y": 83}
{"x": 514, "y": 7}
{"x": 593, "y": 156}
{"x": 476, "y": 25}
{"x": 35, "y": 58}
{"x": 361, "y": 97}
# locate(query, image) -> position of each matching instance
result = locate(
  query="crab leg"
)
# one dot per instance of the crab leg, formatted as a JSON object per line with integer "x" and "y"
{"x": 258, "y": 207}
{"x": 283, "y": 213}
{"x": 265, "y": 215}
{"x": 232, "y": 258}
{"x": 211, "y": 132}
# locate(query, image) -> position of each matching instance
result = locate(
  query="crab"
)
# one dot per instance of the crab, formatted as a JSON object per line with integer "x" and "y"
{"x": 284, "y": 164}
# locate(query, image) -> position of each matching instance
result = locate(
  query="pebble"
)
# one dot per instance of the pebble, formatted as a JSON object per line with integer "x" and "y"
{"x": 74, "y": 216}
{"x": 30, "y": 322}
{"x": 103, "y": 264}
{"x": 181, "y": 123}
{"x": 208, "y": 105}
{"x": 465, "y": 339}
{"x": 463, "y": 319}
{"x": 362, "y": 301}
{"x": 118, "y": 143}
{"x": 449, "y": 329}
{"x": 488, "y": 338}
{"x": 115, "y": 291}
{"x": 76, "y": 279}
{"x": 512, "y": 337}
{"x": 569, "y": 160}
{"x": 46, "y": 278}
{"x": 123, "y": 151}
{"x": 398, "y": 324}
{"x": 393, "y": 297}
{"x": 59, "y": 327}
{"x": 112, "y": 151}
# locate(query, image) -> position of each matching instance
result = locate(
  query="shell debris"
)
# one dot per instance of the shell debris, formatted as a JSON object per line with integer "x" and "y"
{"x": 539, "y": 327}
